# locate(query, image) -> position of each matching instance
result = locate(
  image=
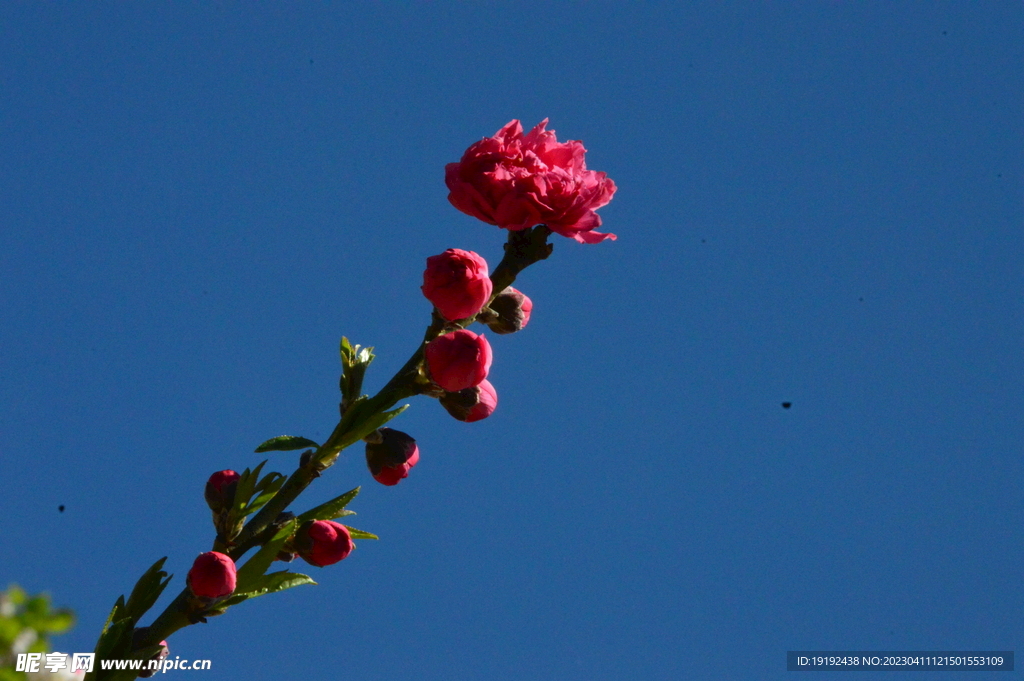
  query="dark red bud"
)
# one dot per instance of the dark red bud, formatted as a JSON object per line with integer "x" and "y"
{"x": 391, "y": 459}
{"x": 512, "y": 311}
{"x": 323, "y": 542}
{"x": 471, "y": 404}
{"x": 220, "y": 490}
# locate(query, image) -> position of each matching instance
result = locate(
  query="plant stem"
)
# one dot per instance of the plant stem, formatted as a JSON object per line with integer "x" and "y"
{"x": 523, "y": 248}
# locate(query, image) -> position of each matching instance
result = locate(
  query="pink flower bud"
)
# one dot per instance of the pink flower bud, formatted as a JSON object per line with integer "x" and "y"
{"x": 391, "y": 459}
{"x": 513, "y": 310}
{"x": 471, "y": 404}
{"x": 160, "y": 656}
{"x": 220, "y": 490}
{"x": 212, "y": 575}
{"x": 456, "y": 282}
{"x": 458, "y": 360}
{"x": 323, "y": 542}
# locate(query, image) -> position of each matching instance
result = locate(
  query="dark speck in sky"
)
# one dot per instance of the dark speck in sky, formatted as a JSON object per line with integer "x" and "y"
{"x": 61, "y": 508}
{"x": 787, "y": 405}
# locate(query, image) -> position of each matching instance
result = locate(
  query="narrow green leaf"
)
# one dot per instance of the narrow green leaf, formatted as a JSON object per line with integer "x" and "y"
{"x": 115, "y": 642}
{"x": 277, "y": 581}
{"x": 233, "y": 600}
{"x": 249, "y": 574}
{"x": 359, "y": 534}
{"x": 268, "y": 492}
{"x": 246, "y": 486}
{"x": 269, "y": 479}
{"x": 116, "y": 612}
{"x": 147, "y": 590}
{"x": 285, "y": 443}
{"x": 331, "y": 509}
{"x": 373, "y": 423}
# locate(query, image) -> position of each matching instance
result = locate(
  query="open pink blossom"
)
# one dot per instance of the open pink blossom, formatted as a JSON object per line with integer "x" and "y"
{"x": 516, "y": 181}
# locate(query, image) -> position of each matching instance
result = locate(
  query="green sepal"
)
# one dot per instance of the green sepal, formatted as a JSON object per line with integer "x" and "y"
{"x": 147, "y": 590}
{"x": 285, "y": 443}
{"x": 359, "y": 534}
{"x": 249, "y": 575}
{"x": 335, "y": 508}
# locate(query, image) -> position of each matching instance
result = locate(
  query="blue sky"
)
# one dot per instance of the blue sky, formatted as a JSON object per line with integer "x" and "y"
{"x": 819, "y": 203}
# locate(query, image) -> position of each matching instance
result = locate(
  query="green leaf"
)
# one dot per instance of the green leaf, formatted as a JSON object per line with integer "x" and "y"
{"x": 285, "y": 443}
{"x": 271, "y": 478}
{"x": 147, "y": 590}
{"x": 246, "y": 486}
{"x": 268, "y": 486}
{"x": 115, "y": 642}
{"x": 331, "y": 509}
{"x": 371, "y": 424}
{"x": 115, "y": 614}
{"x": 249, "y": 575}
{"x": 278, "y": 581}
{"x": 359, "y": 534}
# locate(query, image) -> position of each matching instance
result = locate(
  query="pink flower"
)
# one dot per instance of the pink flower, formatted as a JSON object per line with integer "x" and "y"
{"x": 456, "y": 282}
{"x": 512, "y": 309}
{"x": 391, "y": 459}
{"x": 516, "y": 182}
{"x": 323, "y": 542}
{"x": 212, "y": 575}
{"x": 220, "y": 490}
{"x": 458, "y": 360}
{"x": 471, "y": 404}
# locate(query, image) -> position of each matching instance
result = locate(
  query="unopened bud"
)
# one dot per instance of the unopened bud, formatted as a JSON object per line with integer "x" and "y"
{"x": 212, "y": 575}
{"x": 391, "y": 459}
{"x": 323, "y": 542}
{"x": 457, "y": 360}
{"x": 456, "y": 282}
{"x": 159, "y": 657}
{"x": 471, "y": 404}
{"x": 220, "y": 490}
{"x": 511, "y": 311}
